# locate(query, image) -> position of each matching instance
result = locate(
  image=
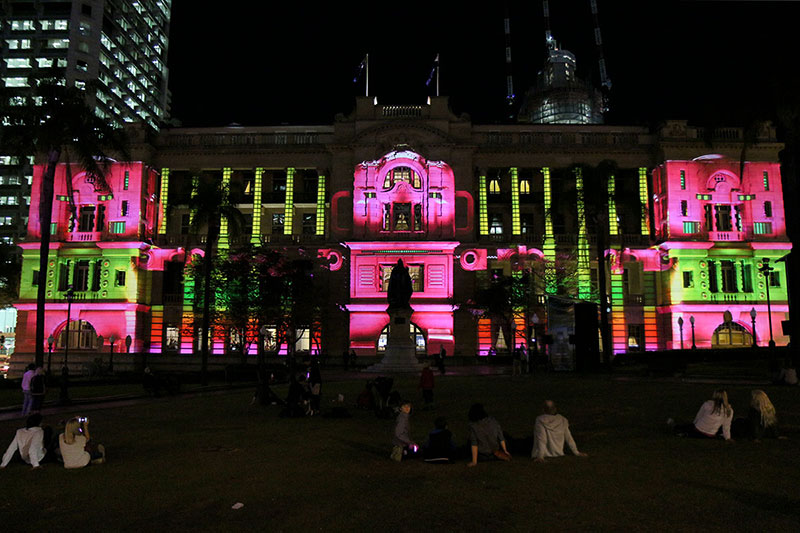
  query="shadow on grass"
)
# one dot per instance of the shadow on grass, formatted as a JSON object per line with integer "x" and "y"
{"x": 772, "y": 503}
{"x": 378, "y": 451}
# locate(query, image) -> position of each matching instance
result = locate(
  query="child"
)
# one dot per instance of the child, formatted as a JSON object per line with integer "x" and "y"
{"x": 440, "y": 447}
{"x": 402, "y": 444}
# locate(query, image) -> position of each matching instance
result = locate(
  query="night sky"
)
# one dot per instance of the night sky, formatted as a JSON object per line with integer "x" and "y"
{"x": 266, "y": 63}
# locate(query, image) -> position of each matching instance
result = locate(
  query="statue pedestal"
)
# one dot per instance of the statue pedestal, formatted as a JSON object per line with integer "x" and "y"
{"x": 401, "y": 354}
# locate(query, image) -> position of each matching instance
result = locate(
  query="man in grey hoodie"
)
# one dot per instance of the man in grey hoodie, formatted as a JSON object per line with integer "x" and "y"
{"x": 550, "y": 433}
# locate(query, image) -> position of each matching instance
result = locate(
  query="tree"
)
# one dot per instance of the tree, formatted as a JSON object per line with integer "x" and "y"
{"x": 10, "y": 268}
{"x": 210, "y": 201}
{"x": 52, "y": 120}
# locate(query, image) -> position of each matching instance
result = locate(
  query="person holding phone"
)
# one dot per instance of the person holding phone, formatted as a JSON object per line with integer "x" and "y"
{"x": 76, "y": 447}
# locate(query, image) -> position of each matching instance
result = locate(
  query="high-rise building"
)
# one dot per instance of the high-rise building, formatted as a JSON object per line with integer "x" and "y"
{"x": 122, "y": 45}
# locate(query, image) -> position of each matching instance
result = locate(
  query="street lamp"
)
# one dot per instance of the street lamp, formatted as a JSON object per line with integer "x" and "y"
{"x": 680, "y": 327}
{"x": 63, "y": 397}
{"x": 691, "y": 319}
{"x": 765, "y": 271}
{"x": 753, "y": 319}
{"x": 111, "y": 341}
{"x": 50, "y": 341}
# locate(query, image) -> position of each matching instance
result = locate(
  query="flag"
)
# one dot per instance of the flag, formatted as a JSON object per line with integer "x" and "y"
{"x": 433, "y": 70}
{"x": 360, "y": 69}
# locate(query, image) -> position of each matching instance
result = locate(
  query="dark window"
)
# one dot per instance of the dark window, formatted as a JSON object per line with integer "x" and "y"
{"x": 417, "y": 217}
{"x": 707, "y": 217}
{"x": 722, "y": 213}
{"x": 774, "y": 279}
{"x": 35, "y": 280}
{"x": 124, "y": 209}
{"x": 747, "y": 278}
{"x": 402, "y": 217}
{"x": 63, "y": 276}
{"x": 728, "y": 271}
{"x": 737, "y": 217}
{"x": 309, "y": 223}
{"x": 495, "y": 224}
{"x": 119, "y": 279}
{"x": 186, "y": 224}
{"x": 688, "y": 279}
{"x": 86, "y": 219}
{"x": 768, "y": 209}
{"x": 684, "y": 208}
{"x": 173, "y": 277}
{"x": 526, "y": 220}
{"x": 101, "y": 218}
{"x": 712, "y": 277}
{"x": 635, "y": 337}
{"x": 86, "y": 10}
{"x": 81, "y": 280}
{"x": 96, "y": 275}
{"x": 277, "y": 223}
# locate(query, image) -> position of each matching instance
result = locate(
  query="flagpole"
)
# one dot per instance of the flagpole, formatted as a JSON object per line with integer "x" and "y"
{"x": 367, "y": 67}
{"x": 437, "y": 75}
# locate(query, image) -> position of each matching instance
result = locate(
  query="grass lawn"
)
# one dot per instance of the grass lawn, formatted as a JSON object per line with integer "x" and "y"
{"x": 181, "y": 463}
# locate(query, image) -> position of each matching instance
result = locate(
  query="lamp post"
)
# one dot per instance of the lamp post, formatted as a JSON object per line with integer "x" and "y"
{"x": 111, "y": 341}
{"x": 691, "y": 319}
{"x": 680, "y": 327}
{"x": 765, "y": 271}
{"x": 63, "y": 397}
{"x": 753, "y": 320}
{"x": 50, "y": 341}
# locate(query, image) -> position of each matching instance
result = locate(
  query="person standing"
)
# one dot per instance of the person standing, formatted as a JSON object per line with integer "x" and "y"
{"x": 402, "y": 445}
{"x": 440, "y": 362}
{"x": 27, "y": 397}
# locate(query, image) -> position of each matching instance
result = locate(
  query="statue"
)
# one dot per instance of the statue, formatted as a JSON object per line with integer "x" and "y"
{"x": 400, "y": 290}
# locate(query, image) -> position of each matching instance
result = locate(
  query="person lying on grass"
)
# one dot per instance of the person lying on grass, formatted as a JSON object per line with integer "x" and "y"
{"x": 550, "y": 433}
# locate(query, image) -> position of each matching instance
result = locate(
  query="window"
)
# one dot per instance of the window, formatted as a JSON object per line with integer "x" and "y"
{"x": 766, "y": 180}
{"x": 119, "y": 278}
{"x": 495, "y": 224}
{"x": 524, "y": 187}
{"x": 124, "y": 208}
{"x": 22, "y": 25}
{"x": 35, "y": 280}
{"x": 683, "y": 180}
{"x": 402, "y": 217}
{"x": 494, "y": 186}
{"x": 690, "y": 228}
{"x": 762, "y": 228}
{"x": 277, "y": 223}
{"x": 526, "y": 220}
{"x": 708, "y": 218}
{"x": 18, "y": 62}
{"x": 44, "y": 62}
{"x": 747, "y": 277}
{"x": 737, "y": 217}
{"x": 81, "y": 65}
{"x": 172, "y": 338}
{"x": 684, "y": 208}
{"x": 728, "y": 272}
{"x": 81, "y": 279}
{"x": 6, "y": 221}
{"x": 712, "y": 277}
{"x": 774, "y": 278}
{"x": 768, "y": 209}
{"x": 57, "y": 43}
{"x": 186, "y": 223}
{"x": 127, "y": 181}
{"x": 63, "y": 276}
{"x": 414, "y": 271}
{"x": 688, "y": 279}
{"x": 635, "y": 337}
{"x": 722, "y": 215}
{"x": 16, "y": 81}
{"x": 86, "y": 218}
{"x": 117, "y": 228}
{"x": 309, "y": 224}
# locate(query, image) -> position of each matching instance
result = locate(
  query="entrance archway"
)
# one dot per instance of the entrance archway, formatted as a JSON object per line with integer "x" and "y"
{"x": 731, "y": 335}
{"x": 82, "y": 336}
{"x": 417, "y": 335}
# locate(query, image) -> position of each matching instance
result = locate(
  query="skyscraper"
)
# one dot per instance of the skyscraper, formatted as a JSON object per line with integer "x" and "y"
{"x": 120, "y": 44}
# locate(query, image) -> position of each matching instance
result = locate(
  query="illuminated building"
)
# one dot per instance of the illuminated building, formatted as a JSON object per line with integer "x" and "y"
{"x": 459, "y": 203}
{"x": 120, "y": 45}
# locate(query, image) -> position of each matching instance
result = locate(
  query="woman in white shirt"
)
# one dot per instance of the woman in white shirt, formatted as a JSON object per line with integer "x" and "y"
{"x": 714, "y": 414}
{"x": 76, "y": 449}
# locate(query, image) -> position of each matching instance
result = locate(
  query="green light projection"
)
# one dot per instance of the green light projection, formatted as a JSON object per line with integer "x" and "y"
{"x": 549, "y": 246}
{"x": 288, "y": 208}
{"x": 516, "y": 224}
{"x": 224, "y": 243}
{"x": 643, "y": 200}
{"x": 255, "y": 236}
{"x": 483, "y": 210}
{"x": 320, "y": 219}
{"x": 584, "y": 269}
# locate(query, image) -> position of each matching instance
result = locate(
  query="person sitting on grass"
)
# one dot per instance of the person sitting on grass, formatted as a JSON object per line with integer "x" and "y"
{"x": 33, "y": 443}
{"x": 761, "y": 421}
{"x": 550, "y": 433}
{"x": 715, "y": 415}
{"x": 439, "y": 448}
{"x": 486, "y": 439}
{"x": 77, "y": 448}
{"x": 402, "y": 445}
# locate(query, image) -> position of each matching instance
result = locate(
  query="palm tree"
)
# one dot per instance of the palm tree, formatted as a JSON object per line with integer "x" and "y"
{"x": 50, "y": 120}
{"x": 210, "y": 201}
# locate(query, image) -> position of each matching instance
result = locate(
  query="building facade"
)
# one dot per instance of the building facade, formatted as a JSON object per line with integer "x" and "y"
{"x": 120, "y": 46}
{"x": 664, "y": 226}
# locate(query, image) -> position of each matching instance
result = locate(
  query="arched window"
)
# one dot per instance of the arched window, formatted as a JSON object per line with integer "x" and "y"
{"x": 82, "y": 336}
{"x": 404, "y": 175}
{"x": 416, "y": 335}
{"x": 731, "y": 335}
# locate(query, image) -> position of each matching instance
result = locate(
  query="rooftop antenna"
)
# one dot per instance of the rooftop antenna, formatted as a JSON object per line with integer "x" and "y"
{"x": 605, "y": 81}
{"x": 510, "y": 96}
{"x": 548, "y": 35}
